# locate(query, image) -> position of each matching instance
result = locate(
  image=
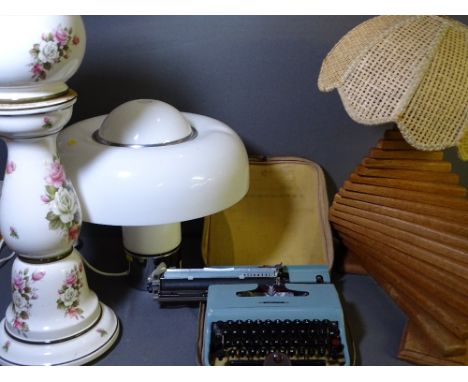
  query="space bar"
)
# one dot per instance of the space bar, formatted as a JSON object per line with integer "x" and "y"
{"x": 294, "y": 362}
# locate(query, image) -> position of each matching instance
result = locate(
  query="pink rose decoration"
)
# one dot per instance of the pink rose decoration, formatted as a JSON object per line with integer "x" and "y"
{"x": 73, "y": 312}
{"x": 73, "y": 232}
{"x": 37, "y": 69}
{"x": 45, "y": 198}
{"x": 10, "y": 167}
{"x": 36, "y": 276}
{"x": 61, "y": 36}
{"x": 18, "y": 282}
{"x": 17, "y": 324}
{"x": 71, "y": 279}
{"x": 56, "y": 176}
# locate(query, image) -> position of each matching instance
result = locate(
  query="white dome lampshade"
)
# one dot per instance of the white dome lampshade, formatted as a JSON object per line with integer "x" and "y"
{"x": 147, "y": 167}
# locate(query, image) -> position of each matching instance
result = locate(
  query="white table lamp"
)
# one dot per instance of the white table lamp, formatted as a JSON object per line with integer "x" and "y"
{"x": 147, "y": 167}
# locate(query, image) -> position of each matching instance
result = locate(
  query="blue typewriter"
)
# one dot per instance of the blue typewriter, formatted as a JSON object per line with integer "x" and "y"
{"x": 280, "y": 315}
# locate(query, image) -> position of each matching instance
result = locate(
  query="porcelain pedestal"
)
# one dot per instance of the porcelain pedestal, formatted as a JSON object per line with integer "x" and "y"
{"x": 54, "y": 318}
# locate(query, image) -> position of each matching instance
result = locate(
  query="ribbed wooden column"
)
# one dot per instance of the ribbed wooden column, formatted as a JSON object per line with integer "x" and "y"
{"x": 403, "y": 215}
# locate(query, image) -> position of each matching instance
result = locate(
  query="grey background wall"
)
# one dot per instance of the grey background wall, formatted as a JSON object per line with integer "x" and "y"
{"x": 258, "y": 74}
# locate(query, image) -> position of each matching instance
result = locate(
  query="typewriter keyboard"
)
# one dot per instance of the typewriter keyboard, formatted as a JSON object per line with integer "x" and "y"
{"x": 300, "y": 342}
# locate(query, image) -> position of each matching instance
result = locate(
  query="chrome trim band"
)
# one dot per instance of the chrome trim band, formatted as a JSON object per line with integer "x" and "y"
{"x": 156, "y": 256}
{"x": 99, "y": 139}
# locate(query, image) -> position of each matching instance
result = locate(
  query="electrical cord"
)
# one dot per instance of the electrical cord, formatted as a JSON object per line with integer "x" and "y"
{"x": 120, "y": 274}
{"x": 102, "y": 273}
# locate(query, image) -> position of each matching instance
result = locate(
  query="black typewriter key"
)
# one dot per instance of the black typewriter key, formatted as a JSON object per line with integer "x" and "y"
{"x": 311, "y": 334}
{"x": 285, "y": 341}
{"x": 242, "y": 352}
{"x": 291, "y": 351}
{"x": 322, "y": 350}
{"x": 265, "y": 328}
{"x": 273, "y": 330}
{"x": 263, "y": 351}
{"x": 252, "y": 328}
{"x": 232, "y": 352}
{"x": 335, "y": 342}
{"x": 334, "y": 329}
{"x": 321, "y": 331}
{"x": 220, "y": 354}
{"x": 334, "y": 354}
{"x": 301, "y": 351}
{"x": 233, "y": 330}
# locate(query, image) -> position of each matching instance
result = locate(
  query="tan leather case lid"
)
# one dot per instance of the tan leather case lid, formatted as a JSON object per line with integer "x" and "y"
{"x": 282, "y": 219}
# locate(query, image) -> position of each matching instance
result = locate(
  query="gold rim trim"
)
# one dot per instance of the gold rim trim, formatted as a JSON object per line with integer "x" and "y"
{"x": 41, "y": 103}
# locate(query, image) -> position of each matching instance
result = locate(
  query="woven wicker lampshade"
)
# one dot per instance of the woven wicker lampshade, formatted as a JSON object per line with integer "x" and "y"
{"x": 411, "y": 70}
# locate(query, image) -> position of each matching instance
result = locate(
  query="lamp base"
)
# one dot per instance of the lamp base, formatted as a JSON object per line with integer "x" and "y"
{"x": 142, "y": 266}
{"x": 77, "y": 350}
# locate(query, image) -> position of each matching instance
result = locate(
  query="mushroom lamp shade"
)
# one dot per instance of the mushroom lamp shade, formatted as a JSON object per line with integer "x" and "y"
{"x": 147, "y": 167}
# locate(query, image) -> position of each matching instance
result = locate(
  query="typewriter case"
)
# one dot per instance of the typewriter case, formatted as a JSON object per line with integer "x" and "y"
{"x": 283, "y": 219}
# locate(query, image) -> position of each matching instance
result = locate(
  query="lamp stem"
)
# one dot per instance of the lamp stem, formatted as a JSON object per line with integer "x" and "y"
{"x": 152, "y": 240}
{"x": 147, "y": 246}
